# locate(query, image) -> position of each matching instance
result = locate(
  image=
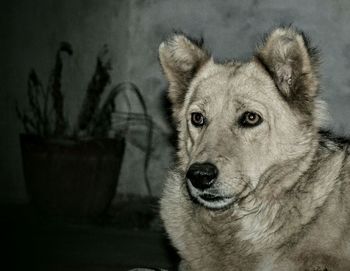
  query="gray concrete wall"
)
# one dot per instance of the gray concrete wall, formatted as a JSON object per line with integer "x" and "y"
{"x": 31, "y": 31}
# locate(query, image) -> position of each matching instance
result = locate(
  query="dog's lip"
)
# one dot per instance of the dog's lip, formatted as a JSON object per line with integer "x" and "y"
{"x": 215, "y": 202}
{"x": 213, "y": 197}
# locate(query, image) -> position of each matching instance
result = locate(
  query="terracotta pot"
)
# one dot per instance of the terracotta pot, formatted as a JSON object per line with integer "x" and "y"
{"x": 69, "y": 177}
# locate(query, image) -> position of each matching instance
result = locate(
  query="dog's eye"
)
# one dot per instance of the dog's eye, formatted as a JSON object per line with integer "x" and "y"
{"x": 250, "y": 119}
{"x": 197, "y": 119}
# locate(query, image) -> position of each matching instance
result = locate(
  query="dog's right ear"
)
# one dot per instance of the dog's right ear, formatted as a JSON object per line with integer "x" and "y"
{"x": 181, "y": 58}
{"x": 293, "y": 65}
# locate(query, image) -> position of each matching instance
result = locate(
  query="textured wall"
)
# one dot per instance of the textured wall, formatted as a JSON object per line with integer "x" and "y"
{"x": 32, "y": 30}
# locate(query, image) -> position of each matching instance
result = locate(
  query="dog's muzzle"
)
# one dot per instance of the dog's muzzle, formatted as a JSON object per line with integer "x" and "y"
{"x": 201, "y": 179}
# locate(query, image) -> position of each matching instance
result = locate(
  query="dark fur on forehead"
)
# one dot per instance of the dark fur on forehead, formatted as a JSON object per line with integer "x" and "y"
{"x": 294, "y": 73}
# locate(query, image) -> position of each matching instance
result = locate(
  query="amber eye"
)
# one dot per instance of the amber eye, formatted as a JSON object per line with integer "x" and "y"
{"x": 250, "y": 119}
{"x": 197, "y": 119}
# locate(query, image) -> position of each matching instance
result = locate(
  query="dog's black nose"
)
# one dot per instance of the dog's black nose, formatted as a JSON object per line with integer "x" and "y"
{"x": 202, "y": 175}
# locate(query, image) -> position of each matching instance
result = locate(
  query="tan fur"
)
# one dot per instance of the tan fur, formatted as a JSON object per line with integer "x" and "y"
{"x": 286, "y": 183}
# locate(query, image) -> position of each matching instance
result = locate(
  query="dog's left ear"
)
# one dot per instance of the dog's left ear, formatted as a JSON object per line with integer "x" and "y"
{"x": 292, "y": 64}
{"x": 181, "y": 57}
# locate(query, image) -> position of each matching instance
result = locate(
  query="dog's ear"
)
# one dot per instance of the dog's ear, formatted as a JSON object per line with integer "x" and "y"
{"x": 292, "y": 64}
{"x": 181, "y": 57}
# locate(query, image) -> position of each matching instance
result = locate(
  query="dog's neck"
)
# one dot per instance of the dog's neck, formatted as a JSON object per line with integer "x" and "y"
{"x": 265, "y": 212}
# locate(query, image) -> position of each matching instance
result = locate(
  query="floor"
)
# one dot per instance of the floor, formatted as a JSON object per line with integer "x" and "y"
{"x": 128, "y": 236}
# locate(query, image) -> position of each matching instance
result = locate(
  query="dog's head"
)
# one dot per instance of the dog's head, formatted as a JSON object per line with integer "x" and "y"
{"x": 241, "y": 124}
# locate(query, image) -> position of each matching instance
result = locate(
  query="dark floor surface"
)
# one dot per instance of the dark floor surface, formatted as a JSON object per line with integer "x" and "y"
{"x": 119, "y": 241}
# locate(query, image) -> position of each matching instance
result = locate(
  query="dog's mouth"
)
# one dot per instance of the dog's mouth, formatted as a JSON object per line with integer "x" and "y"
{"x": 210, "y": 200}
{"x": 214, "y": 202}
{"x": 211, "y": 197}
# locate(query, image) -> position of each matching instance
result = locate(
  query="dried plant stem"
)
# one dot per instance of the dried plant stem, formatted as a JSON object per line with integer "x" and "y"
{"x": 95, "y": 88}
{"x": 131, "y": 119}
{"x": 57, "y": 96}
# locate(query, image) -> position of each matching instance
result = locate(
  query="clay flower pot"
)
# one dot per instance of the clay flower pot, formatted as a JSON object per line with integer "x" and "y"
{"x": 71, "y": 178}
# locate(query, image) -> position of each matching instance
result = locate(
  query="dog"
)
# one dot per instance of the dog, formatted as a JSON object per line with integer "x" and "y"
{"x": 258, "y": 183}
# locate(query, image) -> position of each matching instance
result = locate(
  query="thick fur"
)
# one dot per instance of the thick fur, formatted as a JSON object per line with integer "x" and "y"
{"x": 284, "y": 183}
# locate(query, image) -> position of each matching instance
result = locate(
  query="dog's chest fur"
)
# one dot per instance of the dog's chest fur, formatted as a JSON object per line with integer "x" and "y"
{"x": 206, "y": 240}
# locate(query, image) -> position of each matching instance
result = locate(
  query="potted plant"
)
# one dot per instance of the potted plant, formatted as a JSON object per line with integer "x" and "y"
{"x": 72, "y": 170}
